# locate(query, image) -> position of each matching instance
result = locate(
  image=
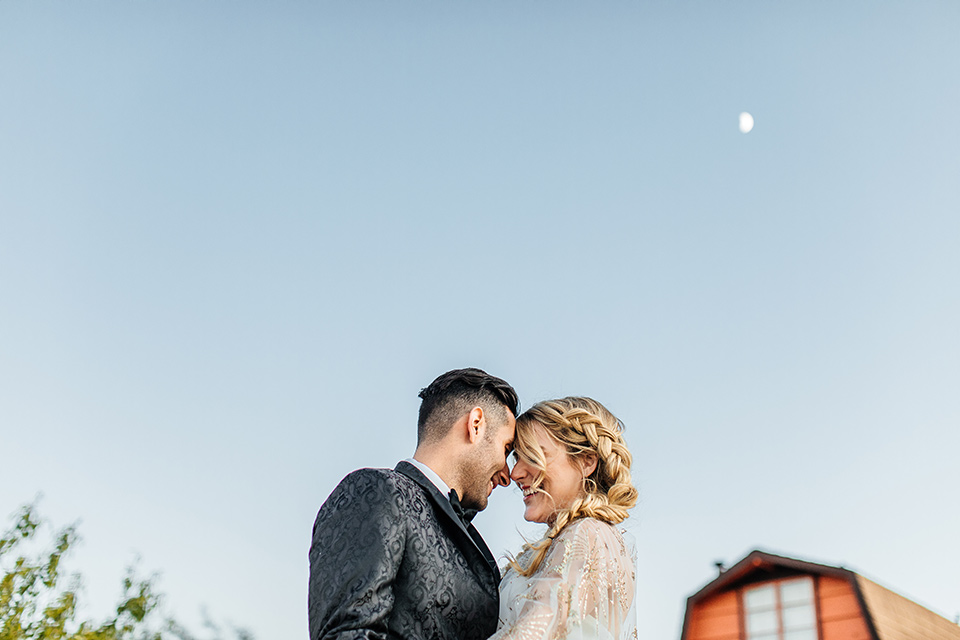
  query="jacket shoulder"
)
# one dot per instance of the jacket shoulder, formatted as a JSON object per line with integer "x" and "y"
{"x": 367, "y": 483}
{"x": 369, "y": 476}
{"x": 367, "y": 488}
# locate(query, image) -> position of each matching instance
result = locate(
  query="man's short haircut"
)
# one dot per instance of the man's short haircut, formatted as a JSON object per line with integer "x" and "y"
{"x": 455, "y": 393}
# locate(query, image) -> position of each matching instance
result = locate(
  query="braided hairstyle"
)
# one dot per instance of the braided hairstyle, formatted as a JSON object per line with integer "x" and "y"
{"x": 582, "y": 426}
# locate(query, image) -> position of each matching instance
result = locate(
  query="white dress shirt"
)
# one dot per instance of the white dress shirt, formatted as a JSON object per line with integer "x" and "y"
{"x": 431, "y": 476}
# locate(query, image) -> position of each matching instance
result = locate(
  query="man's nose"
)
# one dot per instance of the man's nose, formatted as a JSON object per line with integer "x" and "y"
{"x": 503, "y": 475}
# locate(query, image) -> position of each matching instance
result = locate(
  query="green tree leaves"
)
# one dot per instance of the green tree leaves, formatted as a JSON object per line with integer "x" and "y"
{"x": 36, "y": 605}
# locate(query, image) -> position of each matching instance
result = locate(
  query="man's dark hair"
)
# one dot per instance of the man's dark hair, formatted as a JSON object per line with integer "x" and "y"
{"x": 455, "y": 393}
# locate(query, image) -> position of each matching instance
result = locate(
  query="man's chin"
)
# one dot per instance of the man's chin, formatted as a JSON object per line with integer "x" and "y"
{"x": 479, "y": 504}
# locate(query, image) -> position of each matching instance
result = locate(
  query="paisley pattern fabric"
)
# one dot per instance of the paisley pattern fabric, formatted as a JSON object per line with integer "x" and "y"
{"x": 583, "y": 590}
{"x": 390, "y": 560}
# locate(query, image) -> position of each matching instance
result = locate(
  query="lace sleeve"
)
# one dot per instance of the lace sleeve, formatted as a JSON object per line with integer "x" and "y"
{"x": 583, "y": 590}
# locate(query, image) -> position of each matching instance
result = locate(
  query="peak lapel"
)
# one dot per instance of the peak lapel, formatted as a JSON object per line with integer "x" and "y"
{"x": 469, "y": 535}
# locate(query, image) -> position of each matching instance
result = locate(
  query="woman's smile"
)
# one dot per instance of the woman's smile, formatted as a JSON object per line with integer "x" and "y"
{"x": 560, "y": 485}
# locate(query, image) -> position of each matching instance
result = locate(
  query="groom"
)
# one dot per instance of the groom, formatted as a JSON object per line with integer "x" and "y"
{"x": 394, "y": 555}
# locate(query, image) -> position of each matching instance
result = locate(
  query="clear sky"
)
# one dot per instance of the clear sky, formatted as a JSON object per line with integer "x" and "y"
{"x": 236, "y": 239}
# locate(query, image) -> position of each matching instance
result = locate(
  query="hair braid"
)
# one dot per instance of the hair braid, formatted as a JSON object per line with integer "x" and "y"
{"x": 582, "y": 426}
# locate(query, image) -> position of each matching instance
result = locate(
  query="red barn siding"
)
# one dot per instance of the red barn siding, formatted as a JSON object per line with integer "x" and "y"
{"x": 840, "y": 615}
{"x": 849, "y": 607}
{"x": 716, "y": 619}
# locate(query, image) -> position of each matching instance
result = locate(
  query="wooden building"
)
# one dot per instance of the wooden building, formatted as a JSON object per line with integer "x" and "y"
{"x": 768, "y": 597}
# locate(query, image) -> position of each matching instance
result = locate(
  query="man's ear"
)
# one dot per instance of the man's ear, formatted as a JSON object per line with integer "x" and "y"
{"x": 476, "y": 423}
{"x": 588, "y": 463}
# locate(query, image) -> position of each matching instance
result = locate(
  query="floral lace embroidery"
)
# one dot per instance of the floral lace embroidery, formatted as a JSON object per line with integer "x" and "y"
{"x": 583, "y": 590}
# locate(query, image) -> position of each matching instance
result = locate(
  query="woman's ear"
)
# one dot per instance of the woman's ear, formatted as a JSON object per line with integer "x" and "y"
{"x": 588, "y": 463}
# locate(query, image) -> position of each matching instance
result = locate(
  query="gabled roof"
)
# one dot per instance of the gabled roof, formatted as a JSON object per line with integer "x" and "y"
{"x": 899, "y": 618}
{"x": 759, "y": 565}
{"x": 888, "y": 615}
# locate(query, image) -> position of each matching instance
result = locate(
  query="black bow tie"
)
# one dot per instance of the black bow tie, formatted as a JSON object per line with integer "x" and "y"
{"x": 465, "y": 515}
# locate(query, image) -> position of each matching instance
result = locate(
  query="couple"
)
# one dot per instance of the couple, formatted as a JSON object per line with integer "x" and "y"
{"x": 394, "y": 555}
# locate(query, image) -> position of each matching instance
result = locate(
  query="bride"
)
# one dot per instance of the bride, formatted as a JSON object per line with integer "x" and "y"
{"x": 578, "y": 582}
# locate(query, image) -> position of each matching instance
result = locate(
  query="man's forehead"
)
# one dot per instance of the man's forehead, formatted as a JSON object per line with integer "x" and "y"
{"x": 507, "y": 429}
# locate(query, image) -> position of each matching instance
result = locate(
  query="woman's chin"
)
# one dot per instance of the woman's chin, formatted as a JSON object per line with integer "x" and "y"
{"x": 533, "y": 517}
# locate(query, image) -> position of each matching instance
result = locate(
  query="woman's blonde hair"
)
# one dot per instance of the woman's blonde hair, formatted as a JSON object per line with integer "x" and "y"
{"x": 582, "y": 426}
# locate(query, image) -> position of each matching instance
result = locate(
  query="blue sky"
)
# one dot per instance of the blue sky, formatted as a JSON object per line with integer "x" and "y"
{"x": 237, "y": 239}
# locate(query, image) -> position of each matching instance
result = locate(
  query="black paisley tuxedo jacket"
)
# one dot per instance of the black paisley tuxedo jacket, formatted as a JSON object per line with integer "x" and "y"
{"x": 390, "y": 560}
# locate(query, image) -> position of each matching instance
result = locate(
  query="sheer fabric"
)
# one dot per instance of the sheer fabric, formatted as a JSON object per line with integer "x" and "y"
{"x": 583, "y": 590}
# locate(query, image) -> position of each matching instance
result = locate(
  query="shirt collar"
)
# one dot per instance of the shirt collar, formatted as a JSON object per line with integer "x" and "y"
{"x": 431, "y": 475}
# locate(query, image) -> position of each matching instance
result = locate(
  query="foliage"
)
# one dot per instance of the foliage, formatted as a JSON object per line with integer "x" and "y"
{"x": 36, "y": 605}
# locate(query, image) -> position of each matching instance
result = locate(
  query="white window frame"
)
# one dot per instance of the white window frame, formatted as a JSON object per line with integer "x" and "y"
{"x": 777, "y": 608}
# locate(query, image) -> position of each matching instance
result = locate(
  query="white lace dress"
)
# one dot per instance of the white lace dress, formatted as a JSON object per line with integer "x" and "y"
{"x": 583, "y": 590}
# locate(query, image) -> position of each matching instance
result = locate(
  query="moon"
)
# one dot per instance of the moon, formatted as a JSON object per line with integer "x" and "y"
{"x": 746, "y": 122}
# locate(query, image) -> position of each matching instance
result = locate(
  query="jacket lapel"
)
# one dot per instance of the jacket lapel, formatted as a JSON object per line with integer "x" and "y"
{"x": 467, "y": 537}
